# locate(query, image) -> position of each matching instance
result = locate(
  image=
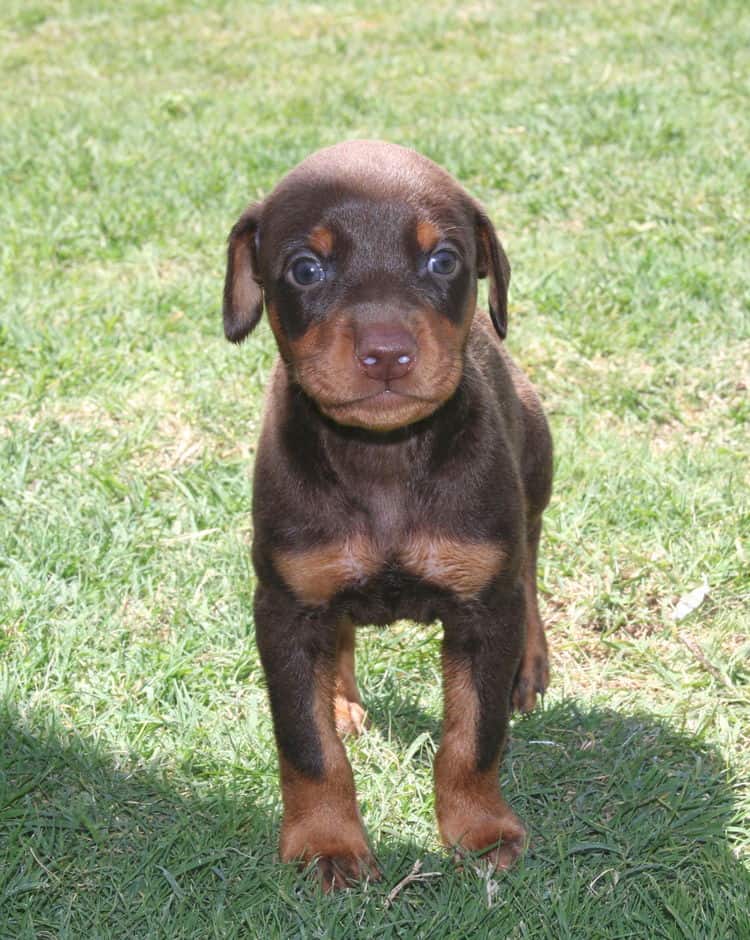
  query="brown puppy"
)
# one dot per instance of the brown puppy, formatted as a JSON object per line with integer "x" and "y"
{"x": 402, "y": 471}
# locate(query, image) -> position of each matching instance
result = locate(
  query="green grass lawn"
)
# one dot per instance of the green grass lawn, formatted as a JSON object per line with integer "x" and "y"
{"x": 138, "y": 786}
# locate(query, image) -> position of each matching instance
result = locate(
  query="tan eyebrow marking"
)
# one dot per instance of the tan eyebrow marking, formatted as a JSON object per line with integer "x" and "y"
{"x": 321, "y": 240}
{"x": 428, "y": 234}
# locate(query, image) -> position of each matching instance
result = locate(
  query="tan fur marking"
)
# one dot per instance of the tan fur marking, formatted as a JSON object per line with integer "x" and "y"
{"x": 462, "y": 567}
{"x": 345, "y": 646}
{"x": 321, "y": 240}
{"x": 316, "y": 574}
{"x": 326, "y": 367}
{"x": 324, "y": 356}
{"x": 533, "y": 673}
{"x": 471, "y": 813}
{"x": 321, "y": 817}
{"x": 428, "y": 234}
{"x": 351, "y": 717}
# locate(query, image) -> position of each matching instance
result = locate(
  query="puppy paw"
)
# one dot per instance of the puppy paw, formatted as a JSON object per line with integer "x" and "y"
{"x": 335, "y": 872}
{"x": 351, "y": 718}
{"x": 336, "y": 854}
{"x": 496, "y": 839}
{"x": 532, "y": 679}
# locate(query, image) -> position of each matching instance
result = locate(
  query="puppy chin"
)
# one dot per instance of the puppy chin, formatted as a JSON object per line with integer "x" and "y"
{"x": 381, "y": 413}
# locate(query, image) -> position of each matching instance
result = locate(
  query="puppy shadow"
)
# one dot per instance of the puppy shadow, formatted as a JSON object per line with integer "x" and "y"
{"x": 628, "y": 819}
{"x": 95, "y": 843}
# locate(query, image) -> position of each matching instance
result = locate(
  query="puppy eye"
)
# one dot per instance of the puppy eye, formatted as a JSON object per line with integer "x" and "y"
{"x": 443, "y": 262}
{"x": 306, "y": 271}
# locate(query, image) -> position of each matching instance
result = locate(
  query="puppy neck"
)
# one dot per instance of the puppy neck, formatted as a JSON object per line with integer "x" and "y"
{"x": 391, "y": 458}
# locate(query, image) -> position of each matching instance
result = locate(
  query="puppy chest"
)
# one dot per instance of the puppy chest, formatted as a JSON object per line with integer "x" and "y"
{"x": 317, "y": 574}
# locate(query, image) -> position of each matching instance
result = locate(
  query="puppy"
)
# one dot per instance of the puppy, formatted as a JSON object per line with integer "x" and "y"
{"x": 403, "y": 467}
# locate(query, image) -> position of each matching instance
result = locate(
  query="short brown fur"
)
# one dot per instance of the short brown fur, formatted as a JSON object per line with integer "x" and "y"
{"x": 472, "y": 815}
{"x": 321, "y": 817}
{"x": 402, "y": 470}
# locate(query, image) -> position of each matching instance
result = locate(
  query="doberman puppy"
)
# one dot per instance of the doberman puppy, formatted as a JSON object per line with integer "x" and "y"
{"x": 402, "y": 470}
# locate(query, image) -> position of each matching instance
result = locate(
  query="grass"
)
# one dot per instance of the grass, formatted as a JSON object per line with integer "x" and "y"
{"x": 138, "y": 790}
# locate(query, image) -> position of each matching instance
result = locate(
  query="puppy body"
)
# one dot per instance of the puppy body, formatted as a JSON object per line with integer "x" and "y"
{"x": 402, "y": 471}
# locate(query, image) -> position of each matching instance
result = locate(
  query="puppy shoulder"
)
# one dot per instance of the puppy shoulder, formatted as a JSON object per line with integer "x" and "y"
{"x": 499, "y": 369}
{"x": 520, "y": 408}
{"x": 290, "y": 463}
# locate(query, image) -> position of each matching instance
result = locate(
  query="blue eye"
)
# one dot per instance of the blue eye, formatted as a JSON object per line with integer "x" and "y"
{"x": 306, "y": 271}
{"x": 443, "y": 262}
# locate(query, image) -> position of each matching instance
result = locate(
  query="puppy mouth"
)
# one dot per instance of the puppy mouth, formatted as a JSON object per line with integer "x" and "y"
{"x": 383, "y": 396}
{"x": 383, "y": 410}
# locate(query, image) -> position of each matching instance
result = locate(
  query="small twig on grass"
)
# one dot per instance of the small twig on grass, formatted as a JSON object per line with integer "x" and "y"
{"x": 44, "y": 868}
{"x": 704, "y": 661}
{"x": 492, "y": 887}
{"x": 416, "y": 874}
{"x": 188, "y": 536}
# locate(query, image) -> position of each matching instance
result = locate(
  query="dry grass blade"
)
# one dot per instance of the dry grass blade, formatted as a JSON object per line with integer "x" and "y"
{"x": 416, "y": 874}
{"x": 704, "y": 661}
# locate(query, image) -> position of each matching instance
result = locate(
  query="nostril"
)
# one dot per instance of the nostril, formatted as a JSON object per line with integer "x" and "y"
{"x": 404, "y": 360}
{"x": 369, "y": 360}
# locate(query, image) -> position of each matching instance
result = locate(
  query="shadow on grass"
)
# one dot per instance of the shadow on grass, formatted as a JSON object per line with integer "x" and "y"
{"x": 397, "y": 714}
{"x": 628, "y": 822}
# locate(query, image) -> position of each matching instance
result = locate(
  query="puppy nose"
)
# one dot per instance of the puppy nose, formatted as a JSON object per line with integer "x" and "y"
{"x": 385, "y": 352}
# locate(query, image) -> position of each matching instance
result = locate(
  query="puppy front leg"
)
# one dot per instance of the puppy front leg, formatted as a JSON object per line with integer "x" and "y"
{"x": 481, "y": 651}
{"x": 321, "y": 819}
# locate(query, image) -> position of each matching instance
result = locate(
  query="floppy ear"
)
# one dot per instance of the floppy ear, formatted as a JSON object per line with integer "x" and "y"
{"x": 492, "y": 261}
{"x": 243, "y": 290}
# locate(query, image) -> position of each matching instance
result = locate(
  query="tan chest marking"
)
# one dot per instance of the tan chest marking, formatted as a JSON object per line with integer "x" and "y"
{"x": 461, "y": 566}
{"x": 316, "y": 574}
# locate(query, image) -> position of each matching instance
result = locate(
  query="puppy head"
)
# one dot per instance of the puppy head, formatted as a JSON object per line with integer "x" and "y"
{"x": 366, "y": 256}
